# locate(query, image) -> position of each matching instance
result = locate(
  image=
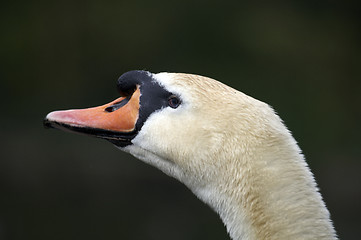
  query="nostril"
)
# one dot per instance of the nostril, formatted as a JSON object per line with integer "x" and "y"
{"x": 109, "y": 109}
{"x": 117, "y": 105}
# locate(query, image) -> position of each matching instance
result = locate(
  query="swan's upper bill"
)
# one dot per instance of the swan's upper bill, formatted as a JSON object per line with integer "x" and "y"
{"x": 231, "y": 150}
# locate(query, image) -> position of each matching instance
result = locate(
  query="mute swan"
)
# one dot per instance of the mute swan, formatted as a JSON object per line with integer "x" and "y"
{"x": 231, "y": 150}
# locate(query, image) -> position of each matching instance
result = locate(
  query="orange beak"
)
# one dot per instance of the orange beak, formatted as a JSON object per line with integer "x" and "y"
{"x": 118, "y": 116}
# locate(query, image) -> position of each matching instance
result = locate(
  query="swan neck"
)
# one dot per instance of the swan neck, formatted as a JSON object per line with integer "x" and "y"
{"x": 263, "y": 201}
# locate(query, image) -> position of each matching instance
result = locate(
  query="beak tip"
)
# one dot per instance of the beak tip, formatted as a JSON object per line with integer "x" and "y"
{"x": 47, "y": 122}
{"x": 53, "y": 117}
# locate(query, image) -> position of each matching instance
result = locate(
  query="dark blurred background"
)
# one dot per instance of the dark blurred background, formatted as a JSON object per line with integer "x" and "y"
{"x": 301, "y": 57}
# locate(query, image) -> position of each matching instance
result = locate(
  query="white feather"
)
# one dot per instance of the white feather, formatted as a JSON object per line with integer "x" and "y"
{"x": 237, "y": 156}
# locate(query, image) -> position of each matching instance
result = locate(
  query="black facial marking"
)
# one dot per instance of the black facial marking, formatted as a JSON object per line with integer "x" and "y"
{"x": 152, "y": 96}
{"x": 127, "y": 83}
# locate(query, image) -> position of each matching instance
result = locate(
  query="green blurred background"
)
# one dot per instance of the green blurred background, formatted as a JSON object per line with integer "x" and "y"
{"x": 301, "y": 57}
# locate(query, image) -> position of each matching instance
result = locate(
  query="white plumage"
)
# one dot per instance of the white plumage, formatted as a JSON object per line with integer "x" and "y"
{"x": 230, "y": 149}
{"x": 236, "y": 155}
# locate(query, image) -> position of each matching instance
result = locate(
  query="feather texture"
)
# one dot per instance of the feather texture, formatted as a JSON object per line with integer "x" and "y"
{"x": 236, "y": 155}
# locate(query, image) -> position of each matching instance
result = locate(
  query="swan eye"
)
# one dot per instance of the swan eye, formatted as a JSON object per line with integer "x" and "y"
{"x": 174, "y": 101}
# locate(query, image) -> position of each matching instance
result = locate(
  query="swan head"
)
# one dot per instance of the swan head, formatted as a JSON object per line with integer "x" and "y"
{"x": 230, "y": 149}
{"x": 175, "y": 122}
